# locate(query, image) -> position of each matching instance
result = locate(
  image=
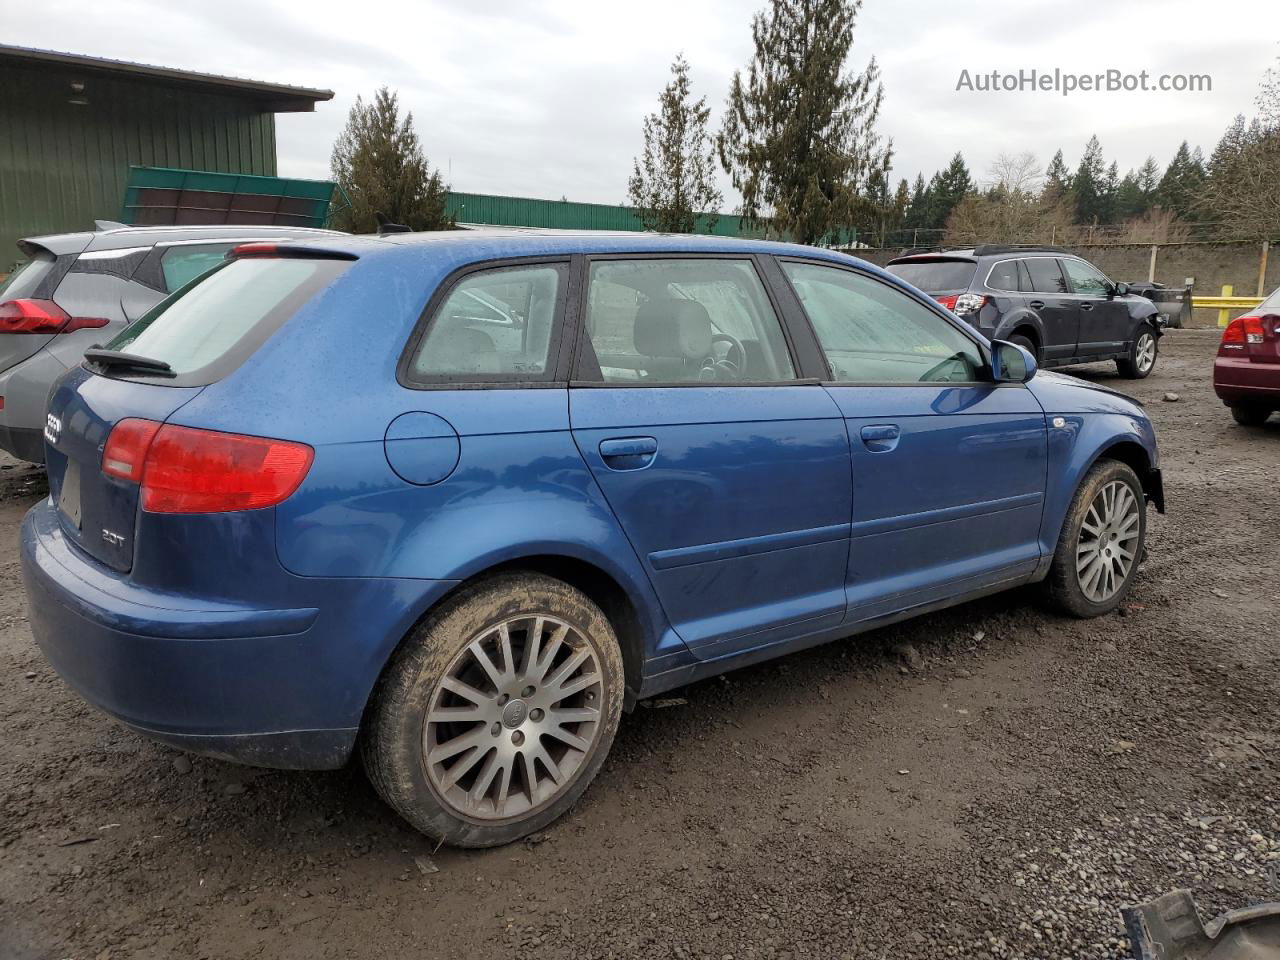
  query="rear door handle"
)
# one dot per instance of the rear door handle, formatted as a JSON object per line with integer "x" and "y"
{"x": 628, "y": 453}
{"x": 1086, "y": 306}
{"x": 1037, "y": 304}
{"x": 880, "y": 437}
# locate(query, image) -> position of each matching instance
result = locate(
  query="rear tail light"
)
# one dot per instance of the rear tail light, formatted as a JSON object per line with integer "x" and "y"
{"x": 963, "y": 303}
{"x": 1242, "y": 330}
{"x": 42, "y": 316}
{"x": 185, "y": 470}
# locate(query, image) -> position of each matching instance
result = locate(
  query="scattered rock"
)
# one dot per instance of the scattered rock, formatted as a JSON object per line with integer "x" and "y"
{"x": 670, "y": 702}
{"x": 1171, "y": 398}
{"x": 31, "y": 674}
{"x": 425, "y": 865}
{"x": 234, "y": 789}
{"x": 182, "y": 764}
{"x": 903, "y": 773}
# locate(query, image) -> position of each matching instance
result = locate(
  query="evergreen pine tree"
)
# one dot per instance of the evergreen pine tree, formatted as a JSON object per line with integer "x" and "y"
{"x": 799, "y": 137}
{"x": 378, "y": 162}
{"x": 1057, "y": 179}
{"x": 674, "y": 179}
{"x": 1090, "y": 185}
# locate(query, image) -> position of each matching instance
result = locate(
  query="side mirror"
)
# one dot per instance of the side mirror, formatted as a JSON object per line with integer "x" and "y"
{"x": 1011, "y": 363}
{"x": 1120, "y": 289}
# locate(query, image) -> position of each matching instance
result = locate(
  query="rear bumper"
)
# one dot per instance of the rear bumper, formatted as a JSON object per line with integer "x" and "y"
{"x": 278, "y": 688}
{"x": 1237, "y": 379}
{"x": 25, "y": 387}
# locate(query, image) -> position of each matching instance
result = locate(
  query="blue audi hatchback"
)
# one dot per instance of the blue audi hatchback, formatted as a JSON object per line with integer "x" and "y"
{"x": 458, "y": 500}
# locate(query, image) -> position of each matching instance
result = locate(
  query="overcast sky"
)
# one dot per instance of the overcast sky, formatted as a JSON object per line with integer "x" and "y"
{"x": 545, "y": 98}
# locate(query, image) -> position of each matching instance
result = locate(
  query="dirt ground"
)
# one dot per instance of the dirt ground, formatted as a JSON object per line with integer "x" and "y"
{"x": 1001, "y": 794}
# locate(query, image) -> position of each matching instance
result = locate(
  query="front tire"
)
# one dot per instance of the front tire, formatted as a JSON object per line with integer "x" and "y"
{"x": 1101, "y": 544}
{"x": 1142, "y": 354}
{"x": 1250, "y": 414}
{"x": 497, "y": 712}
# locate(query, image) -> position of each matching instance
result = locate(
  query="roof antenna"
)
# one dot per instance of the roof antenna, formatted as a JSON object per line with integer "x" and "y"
{"x": 385, "y": 226}
{"x": 100, "y": 225}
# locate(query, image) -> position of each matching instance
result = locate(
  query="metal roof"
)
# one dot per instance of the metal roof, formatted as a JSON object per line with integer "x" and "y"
{"x": 274, "y": 97}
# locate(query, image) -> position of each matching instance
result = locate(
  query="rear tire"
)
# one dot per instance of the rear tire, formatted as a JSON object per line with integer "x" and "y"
{"x": 1142, "y": 354}
{"x": 497, "y": 711}
{"x": 1101, "y": 544}
{"x": 1250, "y": 414}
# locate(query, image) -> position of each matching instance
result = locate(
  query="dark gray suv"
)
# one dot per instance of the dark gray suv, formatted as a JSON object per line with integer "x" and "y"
{"x": 1060, "y": 307}
{"x": 77, "y": 289}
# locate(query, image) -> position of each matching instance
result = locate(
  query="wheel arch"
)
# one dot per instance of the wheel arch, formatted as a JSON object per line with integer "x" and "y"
{"x": 1135, "y": 456}
{"x": 1025, "y": 322}
{"x": 623, "y": 602}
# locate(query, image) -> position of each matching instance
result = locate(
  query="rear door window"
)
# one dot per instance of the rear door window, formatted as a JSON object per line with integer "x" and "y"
{"x": 209, "y": 327}
{"x": 683, "y": 321}
{"x": 1046, "y": 275}
{"x": 935, "y": 275}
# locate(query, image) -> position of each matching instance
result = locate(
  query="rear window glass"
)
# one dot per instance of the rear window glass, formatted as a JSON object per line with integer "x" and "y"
{"x": 935, "y": 276}
{"x": 1271, "y": 304}
{"x": 227, "y": 314}
{"x": 26, "y": 278}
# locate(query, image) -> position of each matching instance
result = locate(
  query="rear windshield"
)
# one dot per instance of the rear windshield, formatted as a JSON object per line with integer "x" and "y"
{"x": 211, "y": 325}
{"x": 25, "y": 279}
{"x": 935, "y": 276}
{"x": 1271, "y": 304}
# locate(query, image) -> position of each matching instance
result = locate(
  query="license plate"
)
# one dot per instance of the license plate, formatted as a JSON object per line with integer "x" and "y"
{"x": 69, "y": 498}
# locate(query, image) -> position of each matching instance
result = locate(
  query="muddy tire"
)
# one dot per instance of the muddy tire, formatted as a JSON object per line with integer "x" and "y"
{"x": 1101, "y": 544}
{"x": 497, "y": 711}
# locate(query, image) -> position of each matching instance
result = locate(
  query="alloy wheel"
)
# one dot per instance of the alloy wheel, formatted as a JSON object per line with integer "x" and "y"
{"x": 1146, "y": 352}
{"x": 514, "y": 717}
{"x": 1108, "y": 544}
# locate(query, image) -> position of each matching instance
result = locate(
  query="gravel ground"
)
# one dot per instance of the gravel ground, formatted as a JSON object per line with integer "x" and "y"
{"x": 991, "y": 781}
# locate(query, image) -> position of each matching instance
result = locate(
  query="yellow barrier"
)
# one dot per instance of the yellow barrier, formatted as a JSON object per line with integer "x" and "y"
{"x": 1226, "y": 303}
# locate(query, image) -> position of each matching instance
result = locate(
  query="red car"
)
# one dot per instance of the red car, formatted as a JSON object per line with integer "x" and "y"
{"x": 1246, "y": 372}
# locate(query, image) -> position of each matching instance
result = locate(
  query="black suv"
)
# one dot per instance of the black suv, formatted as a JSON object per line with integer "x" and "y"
{"x": 1061, "y": 308}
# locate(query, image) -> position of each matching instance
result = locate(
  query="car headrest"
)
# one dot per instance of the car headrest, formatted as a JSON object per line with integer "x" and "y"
{"x": 673, "y": 328}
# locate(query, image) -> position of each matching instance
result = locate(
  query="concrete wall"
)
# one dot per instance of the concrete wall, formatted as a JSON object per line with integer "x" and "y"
{"x": 1211, "y": 264}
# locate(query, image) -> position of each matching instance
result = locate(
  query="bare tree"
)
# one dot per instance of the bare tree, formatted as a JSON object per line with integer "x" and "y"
{"x": 1016, "y": 173}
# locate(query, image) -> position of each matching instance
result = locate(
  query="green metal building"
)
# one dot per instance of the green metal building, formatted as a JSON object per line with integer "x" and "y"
{"x": 489, "y": 209}
{"x": 71, "y": 126}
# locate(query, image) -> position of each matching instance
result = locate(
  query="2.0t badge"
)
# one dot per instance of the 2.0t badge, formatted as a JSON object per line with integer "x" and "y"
{"x": 52, "y": 428}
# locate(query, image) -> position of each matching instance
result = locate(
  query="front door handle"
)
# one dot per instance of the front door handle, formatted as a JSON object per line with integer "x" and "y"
{"x": 1036, "y": 304}
{"x": 880, "y": 437}
{"x": 628, "y": 453}
{"x": 1086, "y": 306}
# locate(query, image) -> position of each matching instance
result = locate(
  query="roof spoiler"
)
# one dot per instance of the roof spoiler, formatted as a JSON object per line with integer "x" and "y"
{"x": 265, "y": 249}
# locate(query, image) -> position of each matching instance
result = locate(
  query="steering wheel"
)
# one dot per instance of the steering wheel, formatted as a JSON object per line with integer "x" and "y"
{"x": 732, "y": 364}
